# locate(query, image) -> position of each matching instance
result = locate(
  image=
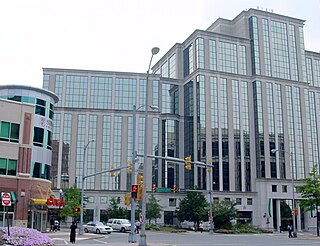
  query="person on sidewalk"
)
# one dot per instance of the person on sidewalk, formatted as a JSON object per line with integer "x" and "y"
{"x": 290, "y": 230}
{"x": 51, "y": 224}
{"x": 73, "y": 228}
{"x": 201, "y": 226}
{"x": 137, "y": 225}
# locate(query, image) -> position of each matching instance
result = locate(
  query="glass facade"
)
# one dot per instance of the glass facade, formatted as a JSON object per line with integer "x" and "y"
{"x": 241, "y": 89}
{"x": 255, "y": 51}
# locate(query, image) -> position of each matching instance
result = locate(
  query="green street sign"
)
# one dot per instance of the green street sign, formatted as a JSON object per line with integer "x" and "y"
{"x": 162, "y": 189}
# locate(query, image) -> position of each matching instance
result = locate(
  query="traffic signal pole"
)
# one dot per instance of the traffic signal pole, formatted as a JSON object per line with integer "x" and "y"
{"x": 82, "y": 191}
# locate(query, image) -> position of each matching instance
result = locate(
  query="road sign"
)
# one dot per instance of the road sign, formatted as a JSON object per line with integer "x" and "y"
{"x": 6, "y": 199}
{"x": 163, "y": 189}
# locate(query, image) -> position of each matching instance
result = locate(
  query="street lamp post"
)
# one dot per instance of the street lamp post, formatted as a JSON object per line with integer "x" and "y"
{"x": 210, "y": 202}
{"x": 60, "y": 199}
{"x": 143, "y": 238}
{"x": 132, "y": 236}
{"x": 292, "y": 184}
{"x": 82, "y": 185}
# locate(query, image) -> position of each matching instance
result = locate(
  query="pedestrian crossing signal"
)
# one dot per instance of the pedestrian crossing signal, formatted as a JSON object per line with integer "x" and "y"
{"x": 174, "y": 189}
{"x": 134, "y": 191}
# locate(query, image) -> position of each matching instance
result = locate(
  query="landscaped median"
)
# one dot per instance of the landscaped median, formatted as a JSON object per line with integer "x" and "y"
{"x": 23, "y": 236}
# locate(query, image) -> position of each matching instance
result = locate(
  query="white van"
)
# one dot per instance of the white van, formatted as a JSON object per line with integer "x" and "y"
{"x": 121, "y": 225}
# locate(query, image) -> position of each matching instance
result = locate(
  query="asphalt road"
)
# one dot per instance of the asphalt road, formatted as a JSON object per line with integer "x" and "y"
{"x": 189, "y": 238}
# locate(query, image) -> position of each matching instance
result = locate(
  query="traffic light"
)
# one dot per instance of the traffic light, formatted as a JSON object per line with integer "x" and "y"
{"x": 139, "y": 194}
{"x": 174, "y": 189}
{"x": 154, "y": 188}
{"x": 76, "y": 210}
{"x": 113, "y": 174}
{"x": 134, "y": 190}
{"x": 139, "y": 179}
{"x": 188, "y": 162}
{"x": 130, "y": 168}
{"x": 127, "y": 199}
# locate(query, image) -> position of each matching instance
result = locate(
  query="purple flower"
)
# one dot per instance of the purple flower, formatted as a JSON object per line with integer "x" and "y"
{"x": 24, "y": 236}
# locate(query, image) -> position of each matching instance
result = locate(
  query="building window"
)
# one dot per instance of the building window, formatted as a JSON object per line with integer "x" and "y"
{"x": 172, "y": 202}
{"x": 90, "y": 199}
{"x": 40, "y": 107}
{"x": 41, "y": 171}
{"x": 51, "y": 113}
{"x": 238, "y": 201}
{"x": 8, "y": 167}
{"x": 274, "y": 188}
{"x": 9, "y": 132}
{"x": 49, "y": 140}
{"x": 36, "y": 170}
{"x": 103, "y": 200}
{"x": 38, "y": 136}
{"x": 249, "y": 201}
{"x": 284, "y": 188}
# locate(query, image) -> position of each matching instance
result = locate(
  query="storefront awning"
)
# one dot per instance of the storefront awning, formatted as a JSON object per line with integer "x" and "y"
{"x": 38, "y": 201}
{"x": 14, "y": 197}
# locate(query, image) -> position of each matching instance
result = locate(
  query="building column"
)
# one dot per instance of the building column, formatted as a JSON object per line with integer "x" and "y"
{"x": 278, "y": 214}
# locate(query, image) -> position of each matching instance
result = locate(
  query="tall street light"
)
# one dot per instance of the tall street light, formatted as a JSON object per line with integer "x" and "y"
{"x": 210, "y": 198}
{"x": 292, "y": 184}
{"x": 60, "y": 199}
{"x": 82, "y": 185}
{"x": 132, "y": 235}
{"x": 143, "y": 237}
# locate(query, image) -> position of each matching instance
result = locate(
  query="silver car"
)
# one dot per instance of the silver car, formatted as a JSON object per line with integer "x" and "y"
{"x": 97, "y": 227}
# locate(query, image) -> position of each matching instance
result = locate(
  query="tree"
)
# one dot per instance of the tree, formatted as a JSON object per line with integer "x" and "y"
{"x": 115, "y": 211}
{"x": 310, "y": 191}
{"x": 223, "y": 213}
{"x": 72, "y": 200}
{"x": 194, "y": 207}
{"x": 153, "y": 209}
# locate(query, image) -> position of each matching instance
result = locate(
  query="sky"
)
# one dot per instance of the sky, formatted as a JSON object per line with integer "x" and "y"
{"x": 116, "y": 35}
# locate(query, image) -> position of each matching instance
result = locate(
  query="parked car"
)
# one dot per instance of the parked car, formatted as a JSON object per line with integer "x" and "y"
{"x": 97, "y": 227}
{"x": 121, "y": 225}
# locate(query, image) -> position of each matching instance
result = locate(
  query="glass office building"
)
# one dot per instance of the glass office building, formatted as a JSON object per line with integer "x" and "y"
{"x": 227, "y": 96}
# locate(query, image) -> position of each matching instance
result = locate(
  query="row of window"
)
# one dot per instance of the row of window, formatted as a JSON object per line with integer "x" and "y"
{"x": 274, "y": 188}
{"x": 40, "y": 170}
{"x": 42, "y": 138}
{"x": 42, "y": 107}
{"x": 8, "y": 167}
{"x": 9, "y": 132}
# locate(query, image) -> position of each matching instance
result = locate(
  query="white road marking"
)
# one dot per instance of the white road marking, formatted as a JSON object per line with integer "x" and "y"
{"x": 99, "y": 241}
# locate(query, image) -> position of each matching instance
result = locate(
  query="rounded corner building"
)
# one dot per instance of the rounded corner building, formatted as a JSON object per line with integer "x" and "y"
{"x": 26, "y": 128}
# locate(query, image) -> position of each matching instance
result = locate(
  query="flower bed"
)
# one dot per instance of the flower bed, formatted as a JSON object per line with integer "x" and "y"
{"x": 24, "y": 236}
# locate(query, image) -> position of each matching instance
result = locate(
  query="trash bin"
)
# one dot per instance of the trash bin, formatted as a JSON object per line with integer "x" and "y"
{"x": 294, "y": 234}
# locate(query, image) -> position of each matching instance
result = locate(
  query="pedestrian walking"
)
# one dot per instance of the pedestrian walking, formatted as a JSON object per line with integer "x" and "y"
{"x": 51, "y": 224}
{"x": 56, "y": 226}
{"x": 290, "y": 231}
{"x": 73, "y": 228}
{"x": 137, "y": 224}
{"x": 201, "y": 226}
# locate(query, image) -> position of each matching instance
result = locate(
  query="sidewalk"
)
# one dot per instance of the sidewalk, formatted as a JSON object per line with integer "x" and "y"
{"x": 64, "y": 236}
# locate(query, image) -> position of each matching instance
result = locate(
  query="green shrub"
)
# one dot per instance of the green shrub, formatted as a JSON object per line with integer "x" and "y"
{"x": 245, "y": 228}
{"x": 152, "y": 227}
